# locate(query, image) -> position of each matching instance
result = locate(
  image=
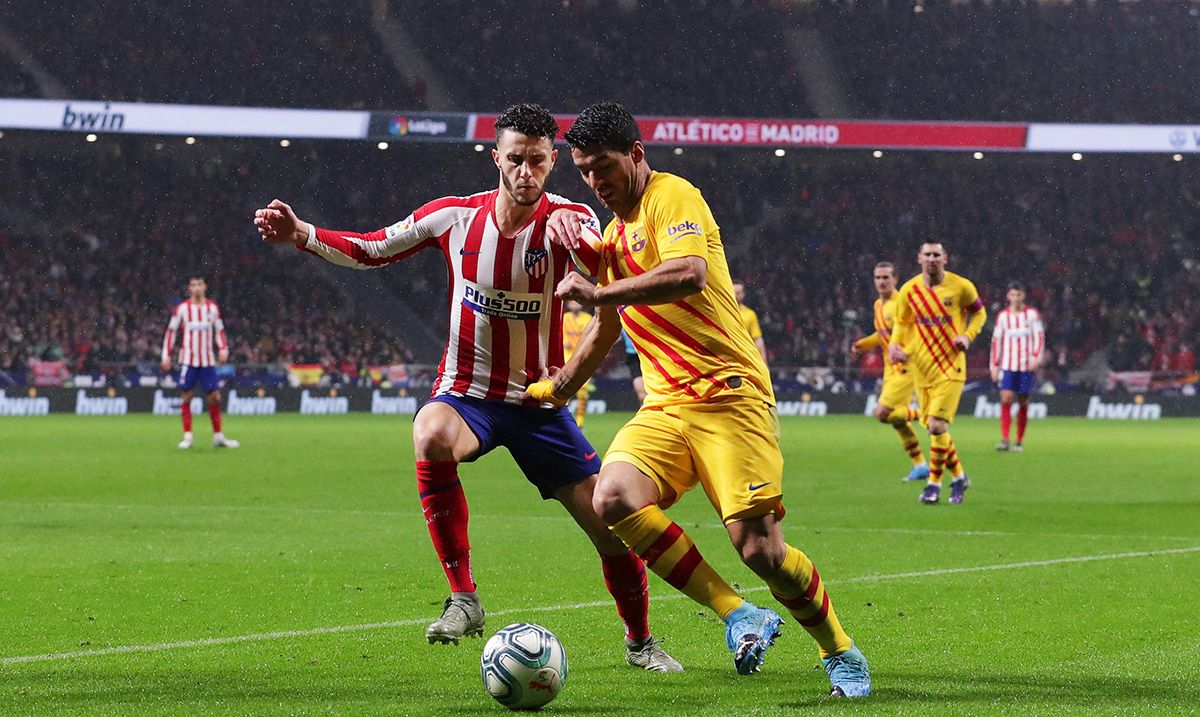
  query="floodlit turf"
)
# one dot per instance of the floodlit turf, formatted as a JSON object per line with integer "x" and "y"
{"x": 112, "y": 538}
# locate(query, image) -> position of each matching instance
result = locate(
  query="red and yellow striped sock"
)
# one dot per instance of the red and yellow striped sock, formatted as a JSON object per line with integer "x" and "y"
{"x": 939, "y": 448}
{"x": 954, "y": 466}
{"x": 672, "y": 555}
{"x": 797, "y": 586}
{"x": 908, "y": 439}
{"x": 912, "y": 413}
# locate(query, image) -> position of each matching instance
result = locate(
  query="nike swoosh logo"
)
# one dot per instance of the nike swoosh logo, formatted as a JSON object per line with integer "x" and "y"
{"x": 464, "y": 252}
{"x": 590, "y": 456}
{"x": 760, "y": 485}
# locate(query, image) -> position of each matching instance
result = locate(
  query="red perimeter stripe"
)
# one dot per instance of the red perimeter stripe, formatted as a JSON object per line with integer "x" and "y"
{"x": 682, "y": 572}
{"x": 633, "y": 328}
{"x": 941, "y": 309}
{"x": 634, "y": 268}
{"x": 662, "y": 544}
{"x": 813, "y": 585}
{"x": 937, "y": 359}
{"x": 797, "y": 603}
{"x": 821, "y": 615}
{"x": 683, "y": 304}
{"x": 685, "y": 340}
{"x": 939, "y": 450}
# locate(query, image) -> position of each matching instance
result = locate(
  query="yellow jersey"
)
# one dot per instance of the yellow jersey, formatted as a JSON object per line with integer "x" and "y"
{"x": 884, "y": 320}
{"x": 928, "y": 318}
{"x": 750, "y": 321}
{"x": 573, "y": 325}
{"x": 694, "y": 349}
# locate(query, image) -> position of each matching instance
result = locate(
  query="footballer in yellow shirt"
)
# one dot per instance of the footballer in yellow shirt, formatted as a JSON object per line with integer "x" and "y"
{"x": 749, "y": 319}
{"x": 575, "y": 320}
{"x": 897, "y": 385}
{"x": 938, "y": 315}
{"x": 709, "y": 415}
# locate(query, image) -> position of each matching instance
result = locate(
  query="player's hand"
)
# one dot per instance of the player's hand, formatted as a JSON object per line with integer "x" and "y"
{"x": 565, "y": 228}
{"x": 278, "y": 224}
{"x": 961, "y": 342}
{"x": 549, "y": 388}
{"x": 854, "y": 352}
{"x": 897, "y": 354}
{"x": 166, "y": 366}
{"x": 574, "y": 287}
{"x": 223, "y": 355}
{"x": 995, "y": 374}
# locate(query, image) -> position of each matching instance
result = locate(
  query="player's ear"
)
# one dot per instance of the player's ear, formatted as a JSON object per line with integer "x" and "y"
{"x": 638, "y": 152}
{"x": 496, "y": 157}
{"x": 553, "y": 158}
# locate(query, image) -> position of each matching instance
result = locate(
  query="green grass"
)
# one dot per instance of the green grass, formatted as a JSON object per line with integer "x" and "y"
{"x": 111, "y": 537}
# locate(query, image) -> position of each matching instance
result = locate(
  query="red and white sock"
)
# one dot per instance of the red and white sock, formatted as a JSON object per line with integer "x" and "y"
{"x": 445, "y": 508}
{"x": 214, "y": 414}
{"x": 625, "y": 578}
{"x": 1022, "y": 419}
{"x": 1005, "y": 420}
{"x": 185, "y": 413}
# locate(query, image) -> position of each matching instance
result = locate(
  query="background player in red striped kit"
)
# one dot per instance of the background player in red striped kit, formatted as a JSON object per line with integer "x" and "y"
{"x": 1018, "y": 342}
{"x": 505, "y": 325}
{"x": 198, "y": 321}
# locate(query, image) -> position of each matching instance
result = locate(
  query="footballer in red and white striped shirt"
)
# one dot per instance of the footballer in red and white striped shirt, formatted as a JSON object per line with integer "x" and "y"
{"x": 1018, "y": 343}
{"x": 505, "y": 330}
{"x": 198, "y": 321}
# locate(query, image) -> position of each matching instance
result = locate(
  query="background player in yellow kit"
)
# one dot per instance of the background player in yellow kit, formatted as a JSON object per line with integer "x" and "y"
{"x": 709, "y": 416}
{"x": 938, "y": 315}
{"x": 749, "y": 319}
{"x": 897, "y": 385}
{"x": 575, "y": 319}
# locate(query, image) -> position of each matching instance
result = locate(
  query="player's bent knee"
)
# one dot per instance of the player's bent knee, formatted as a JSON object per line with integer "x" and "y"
{"x": 882, "y": 413}
{"x": 621, "y": 491}
{"x": 937, "y": 427}
{"x": 433, "y": 440}
{"x": 762, "y": 555}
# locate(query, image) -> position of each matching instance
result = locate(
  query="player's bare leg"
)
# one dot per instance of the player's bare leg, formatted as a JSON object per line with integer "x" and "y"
{"x": 441, "y": 439}
{"x": 796, "y": 584}
{"x": 214, "y": 414}
{"x": 185, "y": 414}
{"x": 1006, "y": 402}
{"x": 624, "y": 576}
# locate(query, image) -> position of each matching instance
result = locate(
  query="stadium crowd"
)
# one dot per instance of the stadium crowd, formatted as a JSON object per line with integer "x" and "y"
{"x": 1106, "y": 245}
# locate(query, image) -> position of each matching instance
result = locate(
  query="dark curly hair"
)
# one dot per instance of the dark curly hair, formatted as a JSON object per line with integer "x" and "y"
{"x": 528, "y": 119}
{"x": 604, "y": 126}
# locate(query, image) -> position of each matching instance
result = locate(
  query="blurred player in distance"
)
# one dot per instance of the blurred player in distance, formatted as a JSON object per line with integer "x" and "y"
{"x": 709, "y": 416}
{"x": 505, "y": 323}
{"x": 1018, "y": 342}
{"x": 197, "y": 320}
{"x": 938, "y": 315}
{"x": 896, "y": 390}
{"x": 749, "y": 319}
{"x": 575, "y": 320}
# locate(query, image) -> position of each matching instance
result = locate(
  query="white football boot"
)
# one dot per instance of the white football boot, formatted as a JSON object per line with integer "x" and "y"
{"x": 220, "y": 441}
{"x": 187, "y": 440}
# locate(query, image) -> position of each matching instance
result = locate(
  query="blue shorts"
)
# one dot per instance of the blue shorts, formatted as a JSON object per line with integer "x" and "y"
{"x": 205, "y": 375}
{"x": 1021, "y": 382}
{"x": 546, "y": 444}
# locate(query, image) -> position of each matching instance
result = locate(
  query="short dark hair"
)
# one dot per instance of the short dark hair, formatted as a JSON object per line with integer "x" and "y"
{"x": 528, "y": 119}
{"x": 604, "y": 126}
{"x": 196, "y": 275}
{"x": 1018, "y": 285}
{"x": 886, "y": 265}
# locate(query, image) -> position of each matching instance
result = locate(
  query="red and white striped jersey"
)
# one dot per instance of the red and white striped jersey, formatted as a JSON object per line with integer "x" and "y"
{"x": 505, "y": 322}
{"x": 199, "y": 324}
{"x": 1018, "y": 340}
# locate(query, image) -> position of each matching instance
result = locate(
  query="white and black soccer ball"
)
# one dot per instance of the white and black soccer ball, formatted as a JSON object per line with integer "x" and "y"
{"x": 523, "y": 666}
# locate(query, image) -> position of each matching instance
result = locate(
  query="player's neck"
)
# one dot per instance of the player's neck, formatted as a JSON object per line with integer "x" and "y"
{"x": 932, "y": 281}
{"x": 201, "y": 300}
{"x": 887, "y": 295}
{"x": 1016, "y": 307}
{"x": 641, "y": 180}
{"x": 511, "y": 217}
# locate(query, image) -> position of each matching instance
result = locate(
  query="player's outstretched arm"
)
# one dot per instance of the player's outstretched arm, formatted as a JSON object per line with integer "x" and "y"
{"x": 278, "y": 224}
{"x": 671, "y": 280}
{"x": 598, "y": 337}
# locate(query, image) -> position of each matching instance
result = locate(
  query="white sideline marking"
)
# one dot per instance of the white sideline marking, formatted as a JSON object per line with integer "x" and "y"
{"x": 283, "y": 634}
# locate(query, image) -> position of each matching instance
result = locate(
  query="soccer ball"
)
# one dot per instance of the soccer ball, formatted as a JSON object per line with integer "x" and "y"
{"x": 523, "y": 666}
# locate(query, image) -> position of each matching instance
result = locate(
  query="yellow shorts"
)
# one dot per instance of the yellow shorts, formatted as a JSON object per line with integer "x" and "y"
{"x": 730, "y": 447}
{"x": 939, "y": 399}
{"x": 897, "y": 388}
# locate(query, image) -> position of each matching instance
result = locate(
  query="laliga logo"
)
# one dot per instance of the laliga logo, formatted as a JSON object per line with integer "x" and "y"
{"x": 398, "y": 126}
{"x": 1177, "y": 138}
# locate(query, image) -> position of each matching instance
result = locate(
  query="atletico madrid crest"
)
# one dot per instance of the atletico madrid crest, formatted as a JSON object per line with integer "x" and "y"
{"x": 536, "y": 261}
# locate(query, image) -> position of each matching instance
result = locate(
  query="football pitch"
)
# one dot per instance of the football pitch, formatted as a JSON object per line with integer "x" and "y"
{"x": 295, "y": 575}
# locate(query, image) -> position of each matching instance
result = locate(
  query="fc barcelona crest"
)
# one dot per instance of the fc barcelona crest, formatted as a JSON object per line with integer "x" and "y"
{"x": 536, "y": 262}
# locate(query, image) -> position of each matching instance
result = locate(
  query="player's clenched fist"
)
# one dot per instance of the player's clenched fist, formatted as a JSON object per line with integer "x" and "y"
{"x": 549, "y": 389}
{"x": 574, "y": 287}
{"x": 278, "y": 224}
